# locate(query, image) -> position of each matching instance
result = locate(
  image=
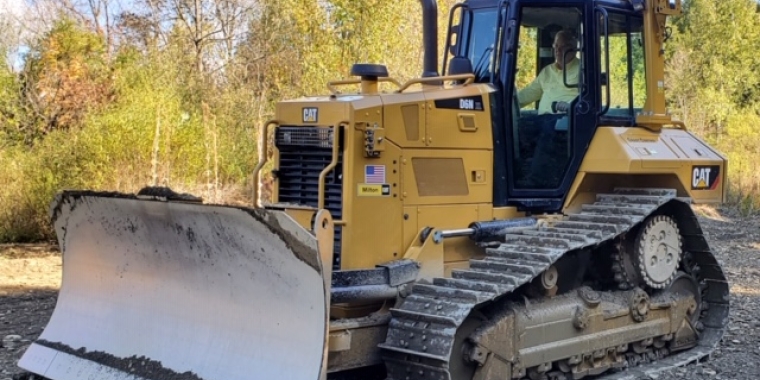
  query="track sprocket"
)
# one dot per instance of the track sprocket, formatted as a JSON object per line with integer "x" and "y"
{"x": 657, "y": 252}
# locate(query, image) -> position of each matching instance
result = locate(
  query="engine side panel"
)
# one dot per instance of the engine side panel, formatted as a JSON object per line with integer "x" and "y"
{"x": 406, "y": 161}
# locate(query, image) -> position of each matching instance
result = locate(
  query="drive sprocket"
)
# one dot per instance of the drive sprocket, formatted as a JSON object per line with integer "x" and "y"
{"x": 657, "y": 251}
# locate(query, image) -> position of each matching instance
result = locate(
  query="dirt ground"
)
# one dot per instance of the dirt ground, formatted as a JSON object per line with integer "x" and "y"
{"x": 30, "y": 276}
{"x": 29, "y": 279}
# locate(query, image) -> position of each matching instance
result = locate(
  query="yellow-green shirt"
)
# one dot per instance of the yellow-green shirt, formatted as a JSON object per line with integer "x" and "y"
{"x": 549, "y": 87}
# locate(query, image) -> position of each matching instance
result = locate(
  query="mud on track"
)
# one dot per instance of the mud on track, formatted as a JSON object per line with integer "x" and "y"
{"x": 30, "y": 275}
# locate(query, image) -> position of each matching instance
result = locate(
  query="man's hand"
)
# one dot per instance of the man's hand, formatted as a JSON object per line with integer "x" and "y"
{"x": 562, "y": 107}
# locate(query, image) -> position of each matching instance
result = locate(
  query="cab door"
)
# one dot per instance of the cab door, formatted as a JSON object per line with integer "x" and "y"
{"x": 549, "y": 113}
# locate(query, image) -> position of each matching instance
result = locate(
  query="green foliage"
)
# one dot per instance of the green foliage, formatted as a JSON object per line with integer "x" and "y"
{"x": 66, "y": 76}
{"x": 154, "y": 131}
{"x": 741, "y": 143}
{"x": 32, "y": 177}
{"x": 526, "y": 58}
{"x": 11, "y": 115}
{"x": 309, "y": 43}
{"x": 714, "y": 85}
{"x": 159, "y": 108}
{"x": 618, "y": 75}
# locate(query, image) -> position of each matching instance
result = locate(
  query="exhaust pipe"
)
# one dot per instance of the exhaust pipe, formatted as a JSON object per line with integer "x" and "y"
{"x": 430, "y": 38}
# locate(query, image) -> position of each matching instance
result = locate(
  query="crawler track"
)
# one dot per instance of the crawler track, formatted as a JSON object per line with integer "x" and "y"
{"x": 422, "y": 334}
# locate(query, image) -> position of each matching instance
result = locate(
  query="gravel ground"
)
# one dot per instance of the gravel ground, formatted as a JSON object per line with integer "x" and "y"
{"x": 30, "y": 275}
{"x": 736, "y": 242}
{"x": 29, "y": 279}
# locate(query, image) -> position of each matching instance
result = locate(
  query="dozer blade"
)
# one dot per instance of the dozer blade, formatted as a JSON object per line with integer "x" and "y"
{"x": 171, "y": 290}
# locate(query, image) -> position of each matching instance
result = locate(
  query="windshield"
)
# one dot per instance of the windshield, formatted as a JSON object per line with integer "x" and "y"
{"x": 478, "y": 35}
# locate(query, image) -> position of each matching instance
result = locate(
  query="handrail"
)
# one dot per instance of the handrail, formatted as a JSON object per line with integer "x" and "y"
{"x": 331, "y": 85}
{"x": 448, "y": 46}
{"x": 680, "y": 124}
{"x": 604, "y": 13}
{"x": 331, "y": 166}
{"x": 262, "y": 160}
{"x": 469, "y": 78}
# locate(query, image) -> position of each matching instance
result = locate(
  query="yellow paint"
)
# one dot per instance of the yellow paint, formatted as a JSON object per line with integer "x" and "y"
{"x": 439, "y": 170}
{"x": 636, "y": 157}
{"x": 654, "y": 114}
{"x": 429, "y": 253}
{"x": 301, "y": 215}
{"x": 370, "y": 190}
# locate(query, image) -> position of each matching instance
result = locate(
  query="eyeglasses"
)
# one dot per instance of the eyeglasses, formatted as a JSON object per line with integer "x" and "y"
{"x": 563, "y": 47}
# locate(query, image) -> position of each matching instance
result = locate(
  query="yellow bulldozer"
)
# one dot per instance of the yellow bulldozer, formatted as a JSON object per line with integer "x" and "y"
{"x": 460, "y": 225}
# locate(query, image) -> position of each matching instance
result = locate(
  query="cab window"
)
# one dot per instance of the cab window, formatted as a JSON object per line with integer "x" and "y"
{"x": 545, "y": 88}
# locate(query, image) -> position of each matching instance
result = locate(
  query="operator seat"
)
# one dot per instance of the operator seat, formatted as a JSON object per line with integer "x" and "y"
{"x": 460, "y": 65}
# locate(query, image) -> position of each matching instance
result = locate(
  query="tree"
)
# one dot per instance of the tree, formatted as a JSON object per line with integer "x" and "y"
{"x": 713, "y": 80}
{"x": 713, "y": 65}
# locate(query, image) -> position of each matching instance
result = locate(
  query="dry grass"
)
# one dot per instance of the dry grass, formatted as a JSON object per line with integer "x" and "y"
{"x": 745, "y": 290}
{"x": 710, "y": 212}
{"x": 24, "y": 267}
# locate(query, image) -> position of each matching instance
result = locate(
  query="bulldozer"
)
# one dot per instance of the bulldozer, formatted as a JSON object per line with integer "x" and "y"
{"x": 450, "y": 227}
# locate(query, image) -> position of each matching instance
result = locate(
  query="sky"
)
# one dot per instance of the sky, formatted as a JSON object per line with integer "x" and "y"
{"x": 15, "y": 9}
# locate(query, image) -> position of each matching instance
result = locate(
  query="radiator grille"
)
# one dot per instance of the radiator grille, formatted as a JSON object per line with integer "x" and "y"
{"x": 304, "y": 136}
{"x": 304, "y": 153}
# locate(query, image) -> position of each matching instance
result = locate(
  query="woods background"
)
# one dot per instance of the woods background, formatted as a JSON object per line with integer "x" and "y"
{"x": 120, "y": 94}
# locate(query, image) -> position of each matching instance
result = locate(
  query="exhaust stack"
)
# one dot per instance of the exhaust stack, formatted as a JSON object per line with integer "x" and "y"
{"x": 430, "y": 38}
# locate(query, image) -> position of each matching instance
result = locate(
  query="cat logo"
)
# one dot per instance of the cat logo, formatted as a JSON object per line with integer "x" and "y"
{"x": 705, "y": 177}
{"x": 310, "y": 114}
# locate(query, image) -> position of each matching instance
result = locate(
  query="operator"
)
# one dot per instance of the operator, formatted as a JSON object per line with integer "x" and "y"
{"x": 549, "y": 86}
{"x": 549, "y": 147}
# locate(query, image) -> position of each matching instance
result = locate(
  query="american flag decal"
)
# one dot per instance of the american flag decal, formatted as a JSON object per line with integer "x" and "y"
{"x": 374, "y": 174}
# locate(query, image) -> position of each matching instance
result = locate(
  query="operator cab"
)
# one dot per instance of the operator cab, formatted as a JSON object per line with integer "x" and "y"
{"x": 543, "y": 122}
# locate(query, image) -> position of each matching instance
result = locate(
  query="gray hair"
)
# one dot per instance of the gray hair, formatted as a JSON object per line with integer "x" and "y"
{"x": 567, "y": 37}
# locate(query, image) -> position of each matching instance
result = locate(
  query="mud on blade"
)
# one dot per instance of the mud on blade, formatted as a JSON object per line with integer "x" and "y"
{"x": 170, "y": 290}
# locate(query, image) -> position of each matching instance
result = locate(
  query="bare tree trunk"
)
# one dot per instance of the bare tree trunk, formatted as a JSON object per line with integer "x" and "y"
{"x": 154, "y": 158}
{"x": 168, "y": 131}
{"x": 198, "y": 37}
{"x": 216, "y": 159}
{"x": 205, "y": 108}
